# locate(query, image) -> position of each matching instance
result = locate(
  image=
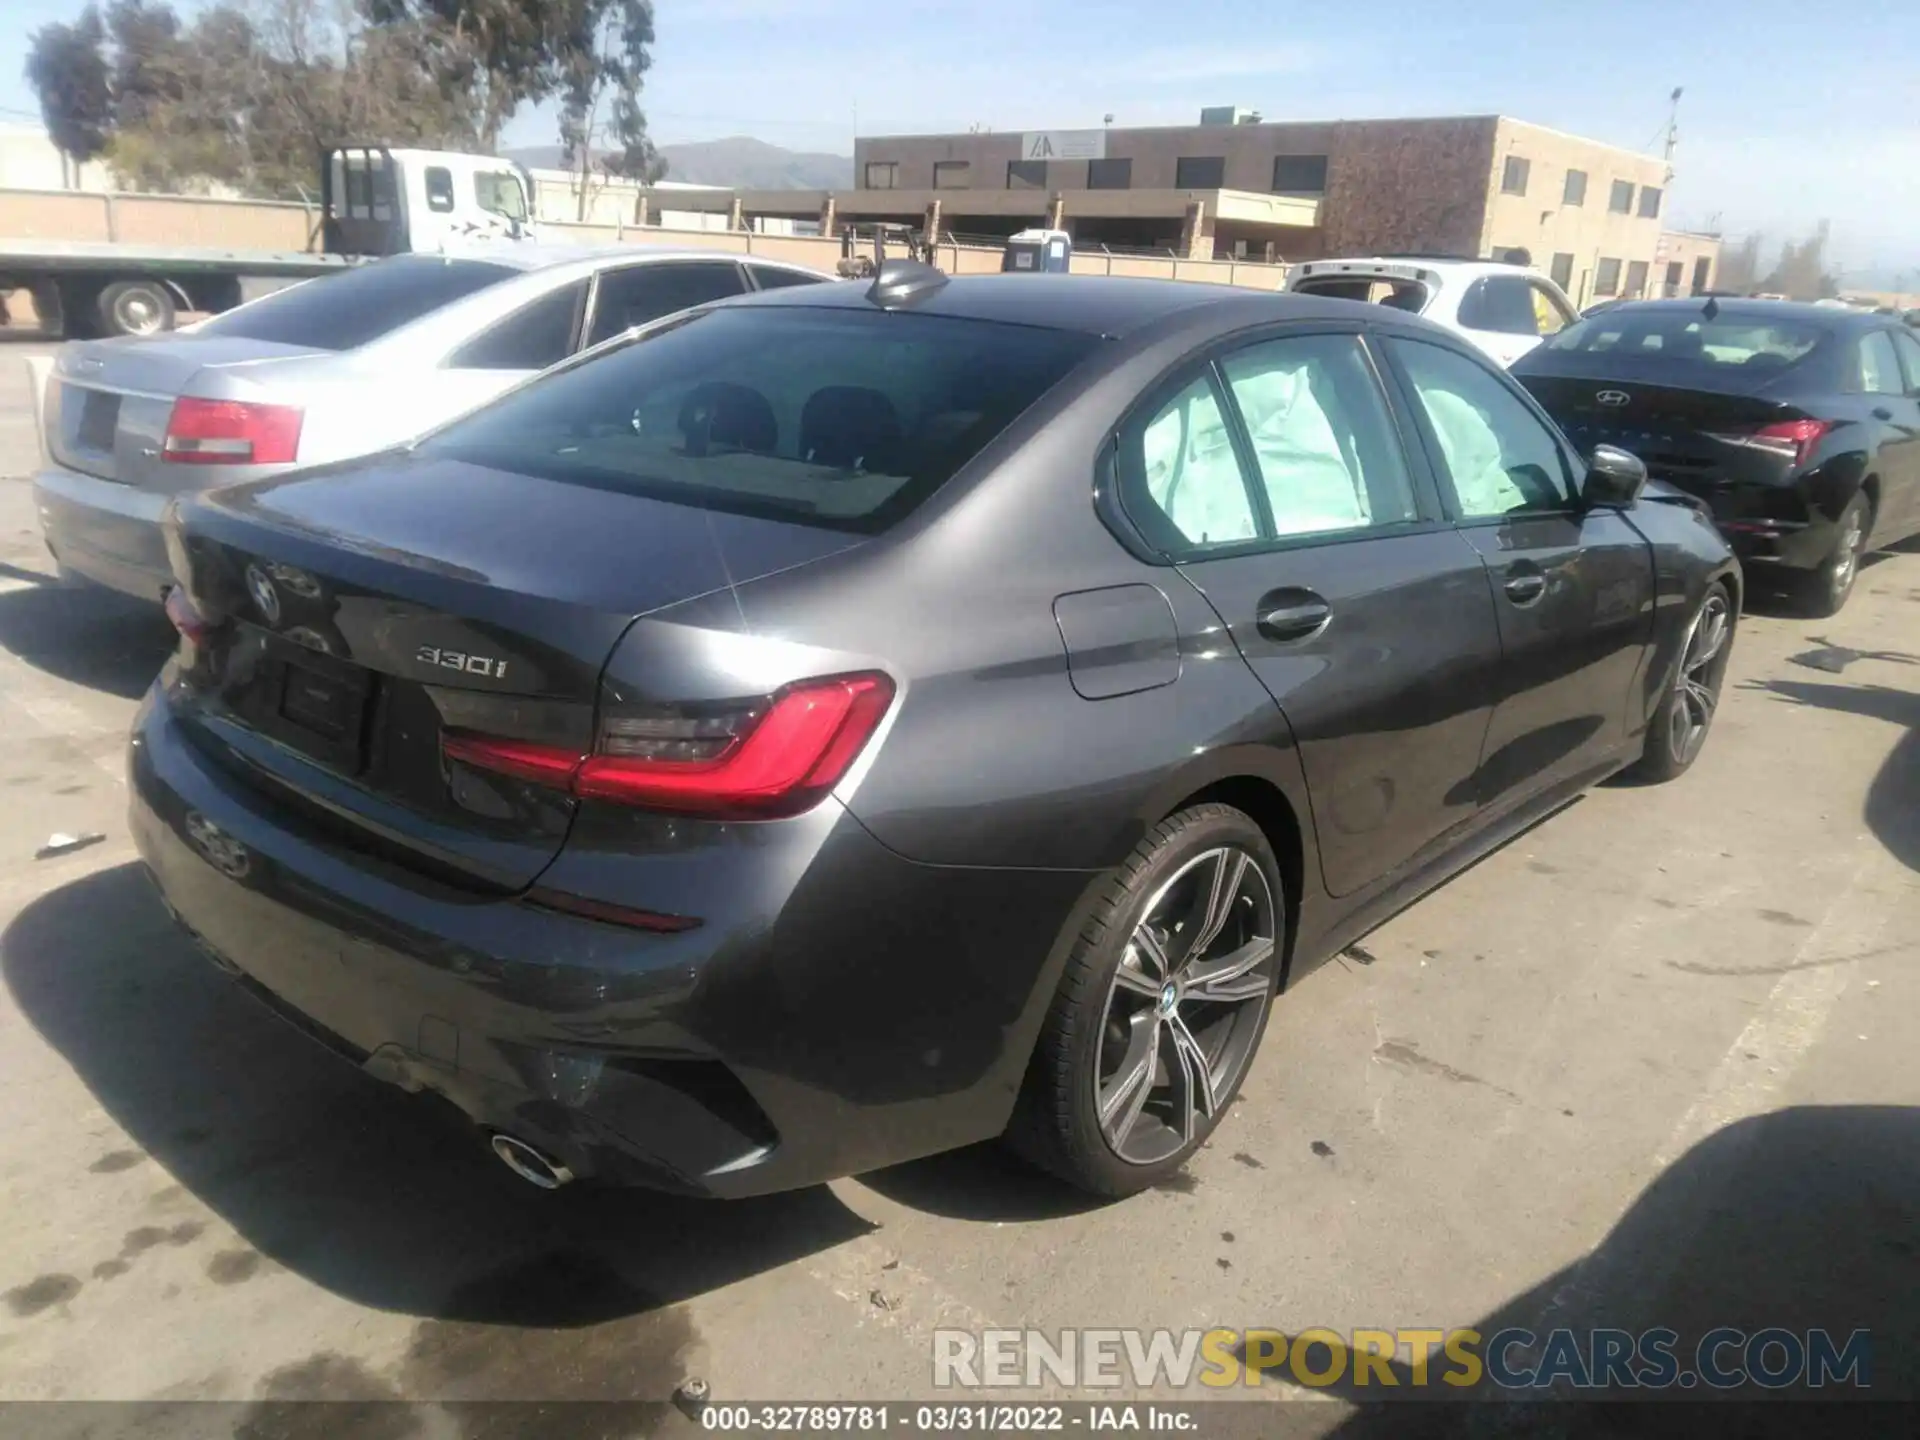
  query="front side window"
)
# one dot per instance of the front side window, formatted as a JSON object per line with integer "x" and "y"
{"x": 1181, "y": 482}
{"x": 840, "y": 419}
{"x": 1324, "y": 443}
{"x": 1909, "y": 349}
{"x": 1879, "y": 365}
{"x": 500, "y": 194}
{"x": 1502, "y": 304}
{"x": 641, "y": 294}
{"x": 1496, "y": 455}
{"x": 772, "y": 277}
{"x": 1513, "y": 179}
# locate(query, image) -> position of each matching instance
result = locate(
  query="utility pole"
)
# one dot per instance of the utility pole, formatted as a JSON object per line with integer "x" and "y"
{"x": 1673, "y": 128}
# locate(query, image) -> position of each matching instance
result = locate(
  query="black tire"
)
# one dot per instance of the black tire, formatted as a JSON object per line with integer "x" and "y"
{"x": 135, "y": 307}
{"x": 1825, "y": 591}
{"x": 1681, "y": 722}
{"x": 1180, "y": 867}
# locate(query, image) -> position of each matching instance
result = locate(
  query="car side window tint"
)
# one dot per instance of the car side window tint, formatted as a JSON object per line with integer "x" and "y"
{"x": 1500, "y": 303}
{"x": 1323, "y": 439}
{"x": 1879, "y": 365}
{"x": 641, "y": 294}
{"x": 1180, "y": 478}
{"x": 770, "y": 277}
{"x": 1498, "y": 457}
{"x": 1909, "y": 349}
{"x": 1548, "y": 317}
{"x": 533, "y": 337}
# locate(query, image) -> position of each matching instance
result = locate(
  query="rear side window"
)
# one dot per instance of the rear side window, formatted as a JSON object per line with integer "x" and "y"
{"x": 1408, "y": 295}
{"x": 844, "y": 419}
{"x": 1685, "y": 336}
{"x": 641, "y": 294}
{"x": 439, "y": 181}
{"x": 358, "y": 306}
{"x": 769, "y": 278}
{"x": 1878, "y": 365}
{"x": 533, "y": 337}
{"x": 1502, "y": 304}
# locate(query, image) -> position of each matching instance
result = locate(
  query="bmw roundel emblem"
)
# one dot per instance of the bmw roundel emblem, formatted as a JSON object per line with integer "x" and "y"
{"x": 264, "y": 595}
{"x": 1613, "y": 397}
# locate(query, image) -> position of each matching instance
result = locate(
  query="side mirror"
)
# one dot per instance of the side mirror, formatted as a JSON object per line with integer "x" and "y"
{"x": 1615, "y": 478}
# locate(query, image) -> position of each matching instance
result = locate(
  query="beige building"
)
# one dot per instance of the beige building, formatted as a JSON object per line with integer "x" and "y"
{"x": 1488, "y": 186}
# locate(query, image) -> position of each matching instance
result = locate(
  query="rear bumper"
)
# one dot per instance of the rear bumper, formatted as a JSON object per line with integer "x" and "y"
{"x": 104, "y": 531}
{"x": 853, "y": 1009}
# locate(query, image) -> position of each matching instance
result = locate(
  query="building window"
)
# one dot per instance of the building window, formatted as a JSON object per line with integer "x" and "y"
{"x": 1513, "y": 181}
{"x": 1606, "y": 279}
{"x": 1637, "y": 279}
{"x": 1576, "y": 191}
{"x": 1676, "y": 272}
{"x": 1026, "y": 174}
{"x": 1620, "y": 202}
{"x": 952, "y": 174}
{"x": 1300, "y": 174}
{"x": 882, "y": 175}
{"x": 1562, "y": 271}
{"x": 1200, "y": 172}
{"x": 1649, "y": 202}
{"x": 1110, "y": 174}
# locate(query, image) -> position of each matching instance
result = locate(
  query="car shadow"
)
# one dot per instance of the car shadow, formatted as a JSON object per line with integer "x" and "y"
{"x": 1803, "y": 1219}
{"x": 982, "y": 1182}
{"x": 386, "y": 1200}
{"x": 88, "y": 636}
{"x": 1893, "y": 798}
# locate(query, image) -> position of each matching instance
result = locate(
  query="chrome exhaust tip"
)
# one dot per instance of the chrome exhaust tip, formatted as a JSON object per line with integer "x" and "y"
{"x": 529, "y": 1164}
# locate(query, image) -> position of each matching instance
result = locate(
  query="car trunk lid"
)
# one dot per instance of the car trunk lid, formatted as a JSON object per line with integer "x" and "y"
{"x": 363, "y": 612}
{"x": 108, "y": 403}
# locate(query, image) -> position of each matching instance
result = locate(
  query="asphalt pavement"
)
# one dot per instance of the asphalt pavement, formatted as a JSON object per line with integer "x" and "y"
{"x": 1656, "y": 1056}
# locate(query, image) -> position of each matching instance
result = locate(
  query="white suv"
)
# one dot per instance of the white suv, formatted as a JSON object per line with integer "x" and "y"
{"x": 1504, "y": 309}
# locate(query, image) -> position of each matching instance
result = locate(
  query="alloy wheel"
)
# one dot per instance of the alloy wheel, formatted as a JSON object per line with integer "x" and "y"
{"x": 1846, "y": 558}
{"x": 1698, "y": 684}
{"x": 1184, "y": 1011}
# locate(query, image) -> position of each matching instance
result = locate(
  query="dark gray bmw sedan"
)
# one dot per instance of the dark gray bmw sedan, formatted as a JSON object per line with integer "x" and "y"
{"x": 853, "y": 722}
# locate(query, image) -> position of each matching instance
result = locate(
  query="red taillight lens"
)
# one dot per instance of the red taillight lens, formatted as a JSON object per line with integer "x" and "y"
{"x": 1790, "y": 439}
{"x": 773, "y": 758}
{"x": 186, "y": 616}
{"x": 231, "y": 432}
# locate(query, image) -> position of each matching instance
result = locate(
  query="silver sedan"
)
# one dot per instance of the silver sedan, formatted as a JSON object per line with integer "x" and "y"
{"x": 327, "y": 370}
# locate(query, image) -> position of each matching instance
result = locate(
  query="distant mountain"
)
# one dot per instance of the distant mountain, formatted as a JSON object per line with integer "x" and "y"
{"x": 739, "y": 162}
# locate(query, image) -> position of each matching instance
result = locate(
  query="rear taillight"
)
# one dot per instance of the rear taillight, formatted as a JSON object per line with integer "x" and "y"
{"x": 1790, "y": 439}
{"x": 186, "y": 616}
{"x": 769, "y": 758}
{"x": 231, "y": 432}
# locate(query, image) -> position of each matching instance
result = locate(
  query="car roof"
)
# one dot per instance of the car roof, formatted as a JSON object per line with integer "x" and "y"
{"x": 542, "y": 256}
{"x": 1444, "y": 263}
{"x": 1091, "y": 304}
{"x": 1742, "y": 308}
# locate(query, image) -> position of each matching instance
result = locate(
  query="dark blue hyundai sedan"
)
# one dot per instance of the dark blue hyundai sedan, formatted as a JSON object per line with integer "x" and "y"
{"x": 853, "y": 722}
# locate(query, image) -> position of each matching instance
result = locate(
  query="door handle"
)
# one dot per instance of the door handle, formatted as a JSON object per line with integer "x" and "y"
{"x": 1524, "y": 587}
{"x": 1293, "y": 615}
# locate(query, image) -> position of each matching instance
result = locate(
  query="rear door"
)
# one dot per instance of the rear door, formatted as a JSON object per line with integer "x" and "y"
{"x": 1890, "y": 379}
{"x": 1573, "y": 587}
{"x": 1275, "y": 474}
{"x": 1506, "y": 315}
{"x": 640, "y": 294}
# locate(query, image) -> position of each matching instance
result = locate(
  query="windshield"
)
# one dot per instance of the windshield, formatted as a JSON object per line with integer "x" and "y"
{"x": 500, "y": 192}
{"x": 1728, "y": 341}
{"x": 359, "y": 305}
{"x": 839, "y": 418}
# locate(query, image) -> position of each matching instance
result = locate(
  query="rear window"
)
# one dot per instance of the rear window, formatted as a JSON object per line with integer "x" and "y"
{"x": 1726, "y": 342}
{"x": 844, "y": 419}
{"x": 1408, "y": 295}
{"x": 358, "y": 306}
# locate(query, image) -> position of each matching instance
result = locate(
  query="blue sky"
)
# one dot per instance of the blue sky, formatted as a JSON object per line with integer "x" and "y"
{"x": 1792, "y": 113}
